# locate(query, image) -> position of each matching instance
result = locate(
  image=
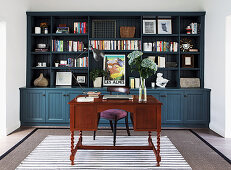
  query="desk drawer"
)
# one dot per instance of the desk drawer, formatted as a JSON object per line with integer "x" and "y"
{"x": 128, "y": 108}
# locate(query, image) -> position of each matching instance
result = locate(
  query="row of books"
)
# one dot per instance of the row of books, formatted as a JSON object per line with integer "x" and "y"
{"x": 75, "y": 46}
{"x": 80, "y": 27}
{"x": 161, "y": 46}
{"x": 116, "y": 44}
{"x": 79, "y": 62}
{"x": 58, "y": 45}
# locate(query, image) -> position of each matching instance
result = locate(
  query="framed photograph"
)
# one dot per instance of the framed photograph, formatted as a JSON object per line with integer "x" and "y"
{"x": 115, "y": 66}
{"x": 81, "y": 78}
{"x": 149, "y": 26}
{"x": 188, "y": 61}
{"x": 63, "y": 78}
{"x": 164, "y": 26}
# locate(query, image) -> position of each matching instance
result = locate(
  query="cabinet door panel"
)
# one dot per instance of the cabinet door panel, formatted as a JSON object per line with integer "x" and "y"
{"x": 33, "y": 106}
{"x": 55, "y": 106}
{"x": 172, "y": 107}
{"x": 195, "y": 108}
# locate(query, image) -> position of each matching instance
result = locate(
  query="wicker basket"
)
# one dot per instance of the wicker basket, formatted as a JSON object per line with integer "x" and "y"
{"x": 127, "y": 32}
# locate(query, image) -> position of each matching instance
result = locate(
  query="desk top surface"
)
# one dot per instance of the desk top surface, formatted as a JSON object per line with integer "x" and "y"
{"x": 150, "y": 100}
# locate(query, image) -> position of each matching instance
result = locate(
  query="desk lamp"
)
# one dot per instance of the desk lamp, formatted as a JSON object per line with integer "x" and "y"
{"x": 97, "y": 55}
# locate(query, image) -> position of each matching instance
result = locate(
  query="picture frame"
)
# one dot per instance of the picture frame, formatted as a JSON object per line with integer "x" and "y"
{"x": 82, "y": 79}
{"x": 149, "y": 26}
{"x": 115, "y": 65}
{"x": 63, "y": 78}
{"x": 188, "y": 61}
{"x": 164, "y": 26}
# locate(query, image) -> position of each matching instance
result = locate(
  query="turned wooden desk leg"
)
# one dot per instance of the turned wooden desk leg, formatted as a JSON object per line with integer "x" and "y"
{"x": 150, "y": 138}
{"x": 158, "y": 149}
{"x": 72, "y": 157}
{"x": 80, "y": 137}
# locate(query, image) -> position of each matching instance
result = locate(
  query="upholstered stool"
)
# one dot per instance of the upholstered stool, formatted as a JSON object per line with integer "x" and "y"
{"x": 113, "y": 115}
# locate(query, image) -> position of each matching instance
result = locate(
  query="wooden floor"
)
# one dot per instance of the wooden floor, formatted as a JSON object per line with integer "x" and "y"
{"x": 221, "y": 144}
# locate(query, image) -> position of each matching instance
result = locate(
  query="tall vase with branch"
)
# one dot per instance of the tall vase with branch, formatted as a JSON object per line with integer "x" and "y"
{"x": 145, "y": 67}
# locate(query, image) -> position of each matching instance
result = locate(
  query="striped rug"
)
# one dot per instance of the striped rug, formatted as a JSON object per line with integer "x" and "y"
{"x": 54, "y": 151}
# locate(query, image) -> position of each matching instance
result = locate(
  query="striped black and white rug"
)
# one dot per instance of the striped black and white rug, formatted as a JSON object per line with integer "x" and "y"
{"x": 54, "y": 152}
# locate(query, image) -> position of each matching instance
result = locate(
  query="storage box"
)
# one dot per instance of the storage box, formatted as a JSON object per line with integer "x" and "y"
{"x": 189, "y": 82}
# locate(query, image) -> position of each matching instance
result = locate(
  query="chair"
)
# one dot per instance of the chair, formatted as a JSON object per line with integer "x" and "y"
{"x": 115, "y": 114}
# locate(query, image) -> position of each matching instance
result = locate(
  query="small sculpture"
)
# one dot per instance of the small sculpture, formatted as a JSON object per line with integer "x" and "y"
{"x": 160, "y": 81}
{"x": 41, "y": 81}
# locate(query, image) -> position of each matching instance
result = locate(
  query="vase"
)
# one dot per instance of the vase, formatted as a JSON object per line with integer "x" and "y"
{"x": 41, "y": 81}
{"x": 142, "y": 91}
{"x": 98, "y": 82}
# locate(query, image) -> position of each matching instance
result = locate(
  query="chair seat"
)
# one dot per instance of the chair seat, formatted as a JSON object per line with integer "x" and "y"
{"x": 112, "y": 113}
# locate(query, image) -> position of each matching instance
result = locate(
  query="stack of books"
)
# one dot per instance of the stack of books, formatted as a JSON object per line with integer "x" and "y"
{"x": 80, "y": 27}
{"x": 93, "y": 94}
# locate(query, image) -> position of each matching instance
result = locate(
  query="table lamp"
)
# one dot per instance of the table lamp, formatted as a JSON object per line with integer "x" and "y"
{"x": 97, "y": 55}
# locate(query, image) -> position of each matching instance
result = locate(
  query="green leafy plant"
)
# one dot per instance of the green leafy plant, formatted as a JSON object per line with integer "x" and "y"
{"x": 145, "y": 67}
{"x": 97, "y": 73}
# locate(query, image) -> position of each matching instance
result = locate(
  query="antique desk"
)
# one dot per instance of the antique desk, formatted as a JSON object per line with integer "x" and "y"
{"x": 145, "y": 117}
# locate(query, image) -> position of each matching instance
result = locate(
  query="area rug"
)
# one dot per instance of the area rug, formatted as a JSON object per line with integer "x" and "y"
{"x": 54, "y": 151}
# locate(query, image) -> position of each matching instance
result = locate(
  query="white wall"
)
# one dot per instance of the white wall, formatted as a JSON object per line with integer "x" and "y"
{"x": 3, "y": 78}
{"x": 116, "y": 5}
{"x": 13, "y": 13}
{"x": 217, "y": 60}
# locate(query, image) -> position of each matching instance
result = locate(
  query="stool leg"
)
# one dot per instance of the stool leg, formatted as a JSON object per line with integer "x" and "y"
{"x": 127, "y": 127}
{"x": 97, "y": 126}
{"x": 111, "y": 125}
{"x": 114, "y": 129}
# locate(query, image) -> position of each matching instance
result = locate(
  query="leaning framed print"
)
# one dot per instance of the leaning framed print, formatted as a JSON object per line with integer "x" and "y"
{"x": 188, "y": 61}
{"x": 114, "y": 65}
{"x": 149, "y": 26}
{"x": 164, "y": 26}
{"x": 81, "y": 78}
{"x": 63, "y": 78}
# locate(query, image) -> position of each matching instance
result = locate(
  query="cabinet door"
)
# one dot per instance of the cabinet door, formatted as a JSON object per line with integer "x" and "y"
{"x": 33, "y": 106}
{"x": 55, "y": 106}
{"x": 172, "y": 108}
{"x": 195, "y": 108}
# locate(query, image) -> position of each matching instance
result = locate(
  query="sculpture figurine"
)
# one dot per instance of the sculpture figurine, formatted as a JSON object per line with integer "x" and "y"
{"x": 160, "y": 81}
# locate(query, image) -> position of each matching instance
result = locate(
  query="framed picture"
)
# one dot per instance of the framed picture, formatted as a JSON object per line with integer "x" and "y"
{"x": 115, "y": 66}
{"x": 164, "y": 26}
{"x": 81, "y": 78}
{"x": 188, "y": 61}
{"x": 149, "y": 26}
{"x": 63, "y": 78}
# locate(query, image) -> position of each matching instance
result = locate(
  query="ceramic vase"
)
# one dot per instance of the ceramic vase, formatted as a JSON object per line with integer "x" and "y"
{"x": 98, "y": 82}
{"x": 41, "y": 81}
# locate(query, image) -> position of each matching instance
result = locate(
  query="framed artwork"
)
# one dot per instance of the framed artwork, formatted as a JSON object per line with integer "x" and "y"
{"x": 63, "y": 78}
{"x": 188, "y": 61}
{"x": 115, "y": 66}
{"x": 164, "y": 26}
{"x": 149, "y": 26}
{"x": 81, "y": 78}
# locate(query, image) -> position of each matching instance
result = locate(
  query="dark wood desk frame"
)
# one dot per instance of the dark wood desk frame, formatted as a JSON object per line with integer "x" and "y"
{"x": 145, "y": 117}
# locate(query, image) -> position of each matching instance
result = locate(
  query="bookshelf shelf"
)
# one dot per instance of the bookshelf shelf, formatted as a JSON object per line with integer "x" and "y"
{"x": 71, "y": 68}
{"x": 195, "y": 69}
{"x": 160, "y": 53}
{"x": 65, "y": 52}
{"x": 41, "y": 53}
{"x": 40, "y": 35}
{"x": 160, "y": 35}
{"x": 189, "y": 35}
{"x": 168, "y": 68}
{"x": 68, "y": 35}
{"x": 190, "y": 53}
{"x": 114, "y": 38}
{"x": 40, "y": 68}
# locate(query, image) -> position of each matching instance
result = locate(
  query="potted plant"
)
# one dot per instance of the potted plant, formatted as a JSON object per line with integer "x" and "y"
{"x": 145, "y": 67}
{"x": 96, "y": 76}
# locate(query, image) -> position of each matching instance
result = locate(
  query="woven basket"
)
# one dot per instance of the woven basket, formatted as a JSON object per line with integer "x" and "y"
{"x": 127, "y": 32}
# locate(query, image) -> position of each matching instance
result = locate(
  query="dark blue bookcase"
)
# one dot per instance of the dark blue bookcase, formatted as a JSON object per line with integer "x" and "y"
{"x": 182, "y": 107}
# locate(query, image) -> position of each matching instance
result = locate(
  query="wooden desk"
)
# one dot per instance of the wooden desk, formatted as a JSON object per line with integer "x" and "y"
{"x": 145, "y": 117}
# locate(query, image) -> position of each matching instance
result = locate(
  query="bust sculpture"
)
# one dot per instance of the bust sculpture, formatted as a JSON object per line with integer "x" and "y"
{"x": 160, "y": 81}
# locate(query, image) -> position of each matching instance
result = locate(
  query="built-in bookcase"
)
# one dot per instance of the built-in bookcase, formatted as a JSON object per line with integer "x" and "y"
{"x": 180, "y": 20}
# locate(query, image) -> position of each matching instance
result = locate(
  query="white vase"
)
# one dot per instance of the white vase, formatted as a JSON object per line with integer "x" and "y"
{"x": 98, "y": 82}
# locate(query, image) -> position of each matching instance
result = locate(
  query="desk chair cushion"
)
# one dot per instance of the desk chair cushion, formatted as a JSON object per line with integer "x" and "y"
{"x": 112, "y": 113}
